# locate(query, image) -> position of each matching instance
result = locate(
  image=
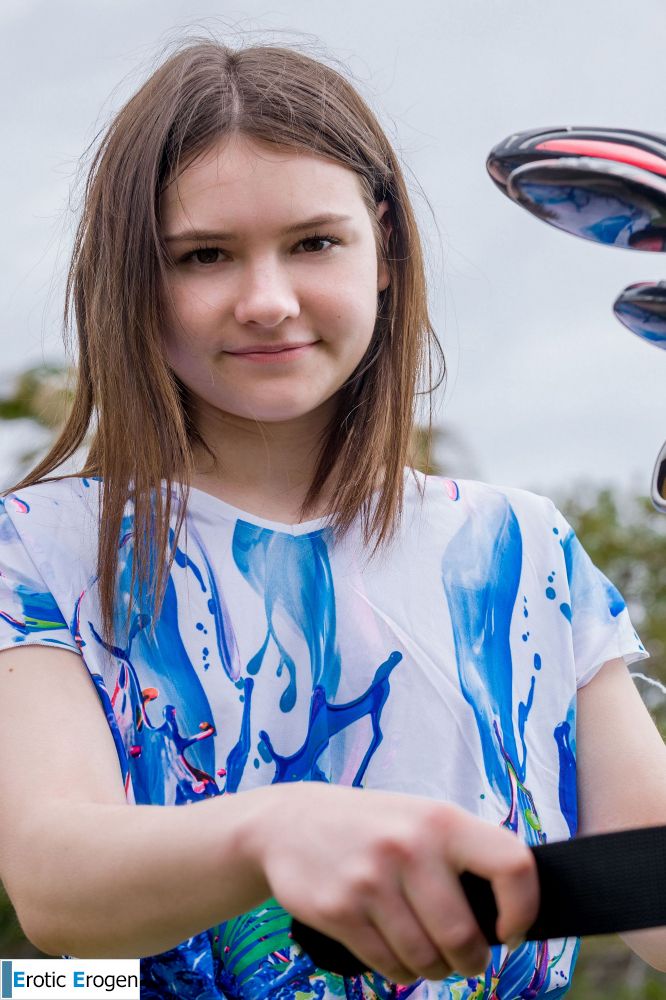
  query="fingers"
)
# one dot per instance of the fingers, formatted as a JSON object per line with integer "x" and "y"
{"x": 447, "y": 918}
{"x": 407, "y": 939}
{"x": 371, "y": 948}
{"x": 395, "y": 898}
{"x": 517, "y": 895}
{"x": 423, "y": 924}
{"x": 498, "y": 855}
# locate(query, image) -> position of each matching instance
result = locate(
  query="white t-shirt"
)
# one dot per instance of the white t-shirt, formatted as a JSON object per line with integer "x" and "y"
{"x": 447, "y": 667}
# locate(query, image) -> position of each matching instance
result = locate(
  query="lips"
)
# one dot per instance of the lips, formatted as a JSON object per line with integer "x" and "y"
{"x": 276, "y": 358}
{"x": 271, "y": 348}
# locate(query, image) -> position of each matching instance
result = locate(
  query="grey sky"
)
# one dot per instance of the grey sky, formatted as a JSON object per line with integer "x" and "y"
{"x": 545, "y": 388}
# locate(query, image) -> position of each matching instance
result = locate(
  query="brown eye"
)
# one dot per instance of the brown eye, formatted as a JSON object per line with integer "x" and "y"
{"x": 205, "y": 255}
{"x": 313, "y": 244}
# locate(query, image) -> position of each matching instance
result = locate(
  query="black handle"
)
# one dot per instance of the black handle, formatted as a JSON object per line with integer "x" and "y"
{"x": 601, "y": 884}
{"x": 327, "y": 953}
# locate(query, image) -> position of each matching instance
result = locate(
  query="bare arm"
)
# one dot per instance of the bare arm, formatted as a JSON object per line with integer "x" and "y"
{"x": 621, "y": 773}
{"x": 92, "y": 876}
{"x": 88, "y": 874}
{"x": 126, "y": 881}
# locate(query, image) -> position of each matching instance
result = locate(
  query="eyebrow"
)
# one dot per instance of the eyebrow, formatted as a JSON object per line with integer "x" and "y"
{"x": 203, "y": 234}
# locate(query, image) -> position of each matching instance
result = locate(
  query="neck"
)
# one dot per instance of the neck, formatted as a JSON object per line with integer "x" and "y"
{"x": 260, "y": 461}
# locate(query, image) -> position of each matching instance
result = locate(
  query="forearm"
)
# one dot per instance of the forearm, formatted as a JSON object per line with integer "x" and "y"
{"x": 650, "y": 945}
{"x": 127, "y": 881}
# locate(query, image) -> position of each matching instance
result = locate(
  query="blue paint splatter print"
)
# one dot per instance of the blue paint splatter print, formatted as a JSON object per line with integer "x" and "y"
{"x": 450, "y": 669}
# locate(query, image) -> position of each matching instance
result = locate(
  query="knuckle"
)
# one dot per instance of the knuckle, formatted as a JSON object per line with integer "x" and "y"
{"x": 333, "y": 908}
{"x": 430, "y": 964}
{"x": 461, "y": 936}
{"x": 443, "y": 818}
{"x": 363, "y": 881}
{"x": 392, "y": 849}
{"x": 424, "y": 956}
{"x": 523, "y": 864}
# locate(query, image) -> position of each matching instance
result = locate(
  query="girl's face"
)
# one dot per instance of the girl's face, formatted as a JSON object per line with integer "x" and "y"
{"x": 268, "y": 246}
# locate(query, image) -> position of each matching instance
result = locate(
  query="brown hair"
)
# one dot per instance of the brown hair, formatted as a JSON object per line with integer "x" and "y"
{"x": 143, "y": 415}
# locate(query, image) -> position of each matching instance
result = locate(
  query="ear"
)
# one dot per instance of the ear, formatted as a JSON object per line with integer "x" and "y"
{"x": 386, "y": 228}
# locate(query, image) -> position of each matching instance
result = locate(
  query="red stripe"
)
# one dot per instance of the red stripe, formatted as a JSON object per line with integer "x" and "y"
{"x": 618, "y": 151}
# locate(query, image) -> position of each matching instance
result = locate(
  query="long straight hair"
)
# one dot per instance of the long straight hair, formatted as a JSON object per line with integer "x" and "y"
{"x": 139, "y": 414}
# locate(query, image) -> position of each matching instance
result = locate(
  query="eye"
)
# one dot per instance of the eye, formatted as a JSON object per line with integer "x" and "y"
{"x": 317, "y": 239}
{"x": 203, "y": 255}
{"x": 207, "y": 256}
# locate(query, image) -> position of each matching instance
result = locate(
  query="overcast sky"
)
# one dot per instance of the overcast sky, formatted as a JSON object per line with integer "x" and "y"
{"x": 546, "y": 389}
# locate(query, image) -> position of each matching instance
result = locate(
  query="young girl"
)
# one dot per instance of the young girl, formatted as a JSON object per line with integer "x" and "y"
{"x": 205, "y": 619}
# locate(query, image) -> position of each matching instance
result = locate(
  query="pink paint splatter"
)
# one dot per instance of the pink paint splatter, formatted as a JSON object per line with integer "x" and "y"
{"x": 19, "y": 505}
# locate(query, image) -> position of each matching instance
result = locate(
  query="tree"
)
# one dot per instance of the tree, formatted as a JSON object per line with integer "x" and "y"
{"x": 40, "y": 398}
{"x": 626, "y": 539}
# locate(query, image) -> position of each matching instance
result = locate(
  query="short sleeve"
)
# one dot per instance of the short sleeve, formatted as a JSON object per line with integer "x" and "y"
{"x": 600, "y": 623}
{"x": 29, "y": 613}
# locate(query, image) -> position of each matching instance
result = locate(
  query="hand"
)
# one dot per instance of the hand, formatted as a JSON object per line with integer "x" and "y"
{"x": 378, "y": 871}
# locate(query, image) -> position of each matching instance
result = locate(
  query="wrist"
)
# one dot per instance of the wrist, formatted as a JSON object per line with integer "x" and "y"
{"x": 254, "y": 824}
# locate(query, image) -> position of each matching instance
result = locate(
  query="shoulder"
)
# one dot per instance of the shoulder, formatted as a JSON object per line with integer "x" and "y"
{"x": 477, "y": 524}
{"x": 48, "y": 543}
{"x": 54, "y": 514}
{"x": 477, "y": 498}
{"x": 71, "y": 493}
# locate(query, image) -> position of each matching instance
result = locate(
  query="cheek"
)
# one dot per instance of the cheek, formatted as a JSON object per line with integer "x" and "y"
{"x": 363, "y": 286}
{"x": 363, "y": 310}
{"x": 351, "y": 298}
{"x": 190, "y": 316}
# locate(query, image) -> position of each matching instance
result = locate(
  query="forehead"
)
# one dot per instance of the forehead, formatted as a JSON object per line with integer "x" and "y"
{"x": 241, "y": 181}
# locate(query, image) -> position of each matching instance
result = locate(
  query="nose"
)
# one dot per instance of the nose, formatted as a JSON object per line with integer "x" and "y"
{"x": 266, "y": 295}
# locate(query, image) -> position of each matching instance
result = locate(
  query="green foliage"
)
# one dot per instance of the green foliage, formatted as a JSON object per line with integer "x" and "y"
{"x": 13, "y": 943}
{"x": 628, "y": 544}
{"x": 608, "y": 970}
{"x": 40, "y": 394}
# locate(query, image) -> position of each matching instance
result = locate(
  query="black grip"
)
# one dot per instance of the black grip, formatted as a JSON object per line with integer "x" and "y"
{"x": 601, "y": 884}
{"x": 327, "y": 953}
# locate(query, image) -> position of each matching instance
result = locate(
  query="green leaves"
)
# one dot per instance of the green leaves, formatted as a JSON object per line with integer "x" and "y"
{"x": 626, "y": 539}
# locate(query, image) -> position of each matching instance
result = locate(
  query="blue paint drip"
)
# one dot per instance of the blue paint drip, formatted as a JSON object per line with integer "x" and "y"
{"x": 523, "y": 712}
{"x": 182, "y": 559}
{"x": 480, "y": 572}
{"x": 238, "y": 755}
{"x": 162, "y": 747}
{"x": 565, "y": 737}
{"x": 293, "y": 572}
{"x": 327, "y": 720}
{"x": 40, "y": 612}
{"x": 112, "y": 723}
{"x": 588, "y": 586}
{"x": 224, "y": 637}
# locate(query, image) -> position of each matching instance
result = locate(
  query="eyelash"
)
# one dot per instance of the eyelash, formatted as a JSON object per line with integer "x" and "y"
{"x": 317, "y": 237}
